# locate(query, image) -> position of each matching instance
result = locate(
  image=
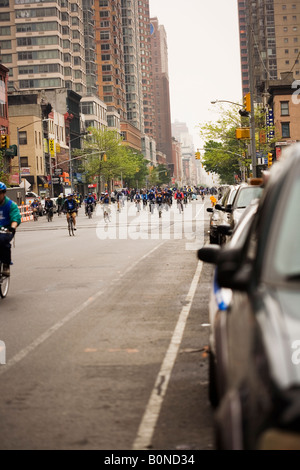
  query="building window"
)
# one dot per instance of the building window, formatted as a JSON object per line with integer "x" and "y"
{"x": 22, "y": 137}
{"x": 284, "y": 107}
{"x": 24, "y": 161}
{"x": 285, "y": 130}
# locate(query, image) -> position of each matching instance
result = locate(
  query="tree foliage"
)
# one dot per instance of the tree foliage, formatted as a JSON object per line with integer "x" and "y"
{"x": 159, "y": 175}
{"x": 105, "y": 158}
{"x": 226, "y": 155}
{"x": 4, "y": 174}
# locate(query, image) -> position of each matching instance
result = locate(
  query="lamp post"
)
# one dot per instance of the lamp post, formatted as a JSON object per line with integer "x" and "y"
{"x": 252, "y": 129}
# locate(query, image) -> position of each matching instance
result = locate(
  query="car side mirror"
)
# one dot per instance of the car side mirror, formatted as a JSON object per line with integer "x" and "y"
{"x": 209, "y": 209}
{"x": 233, "y": 272}
{"x": 219, "y": 207}
{"x": 234, "y": 277}
{"x": 228, "y": 208}
{"x": 209, "y": 253}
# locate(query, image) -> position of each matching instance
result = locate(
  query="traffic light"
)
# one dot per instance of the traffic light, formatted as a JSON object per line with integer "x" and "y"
{"x": 4, "y": 141}
{"x": 104, "y": 157}
{"x": 270, "y": 159}
{"x": 247, "y": 102}
{"x": 197, "y": 156}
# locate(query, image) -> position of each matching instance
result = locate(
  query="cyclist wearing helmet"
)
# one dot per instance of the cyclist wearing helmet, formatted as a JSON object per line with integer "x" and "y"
{"x": 10, "y": 218}
{"x": 90, "y": 201}
{"x": 70, "y": 207}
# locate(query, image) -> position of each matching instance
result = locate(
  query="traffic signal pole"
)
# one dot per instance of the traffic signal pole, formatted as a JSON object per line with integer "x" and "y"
{"x": 251, "y": 88}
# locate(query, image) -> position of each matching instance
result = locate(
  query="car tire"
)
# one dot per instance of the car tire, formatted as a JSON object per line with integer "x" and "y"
{"x": 212, "y": 385}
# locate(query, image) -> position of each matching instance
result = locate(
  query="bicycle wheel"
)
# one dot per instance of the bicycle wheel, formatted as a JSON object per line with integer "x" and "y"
{"x": 4, "y": 284}
{"x": 70, "y": 226}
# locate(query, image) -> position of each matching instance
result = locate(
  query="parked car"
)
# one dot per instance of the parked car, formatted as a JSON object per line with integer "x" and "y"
{"x": 257, "y": 337}
{"x": 245, "y": 194}
{"x": 219, "y": 216}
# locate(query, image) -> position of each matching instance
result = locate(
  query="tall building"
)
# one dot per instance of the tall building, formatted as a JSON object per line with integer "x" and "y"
{"x": 162, "y": 113}
{"x": 181, "y": 132}
{"x": 110, "y": 59}
{"x": 269, "y": 41}
{"x": 42, "y": 44}
{"x": 90, "y": 48}
{"x": 133, "y": 77}
{"x": 146, "y": 65}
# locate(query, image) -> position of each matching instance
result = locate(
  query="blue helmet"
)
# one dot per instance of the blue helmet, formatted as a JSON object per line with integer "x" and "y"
{"x": 2, "y": 187}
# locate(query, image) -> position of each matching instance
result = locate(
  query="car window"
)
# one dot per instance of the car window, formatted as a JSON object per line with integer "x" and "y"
{"x": 286, "y": 254}
{"x": 246, "y": 195}
{"x": 231, "y": 196}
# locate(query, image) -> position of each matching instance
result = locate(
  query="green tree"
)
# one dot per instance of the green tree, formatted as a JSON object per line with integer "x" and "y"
{"x": 105, "y": 158}
{"x": 159, "y": 175}
{"x": 3, "y": 171}
{"x": 226, "y": 155}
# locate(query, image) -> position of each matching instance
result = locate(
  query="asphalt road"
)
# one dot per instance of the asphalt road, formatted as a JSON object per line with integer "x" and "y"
{"x": 106, "y": 334}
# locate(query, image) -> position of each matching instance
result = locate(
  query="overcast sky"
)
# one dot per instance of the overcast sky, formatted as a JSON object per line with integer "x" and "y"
{"x": 204, "y": 57}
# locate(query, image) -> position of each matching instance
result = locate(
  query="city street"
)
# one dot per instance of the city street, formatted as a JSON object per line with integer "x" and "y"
{"x": 106, "y": 334}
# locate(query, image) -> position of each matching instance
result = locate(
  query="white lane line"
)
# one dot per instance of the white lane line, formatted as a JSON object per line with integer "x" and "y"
{"x": 149, "y": 420}
{"x": 41, "y": 339}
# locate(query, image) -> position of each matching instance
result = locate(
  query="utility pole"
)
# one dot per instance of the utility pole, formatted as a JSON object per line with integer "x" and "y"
{"x": 251, "y": 89}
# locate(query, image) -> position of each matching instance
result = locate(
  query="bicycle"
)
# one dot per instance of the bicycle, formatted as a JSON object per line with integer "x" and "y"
{"x": 50, "y": 215}
{"x": 35, "y": 214}
{"x": 89, "y": 211}
{"x": 106, "y": 214}
{"x": 151, "y": 206}
{"x": 4, "y": 282}
{"x": 138, "y": 206}
{"x": 70, "y": 224}
{"x": 159, "y": 210}
{"x": 180, "y": 205}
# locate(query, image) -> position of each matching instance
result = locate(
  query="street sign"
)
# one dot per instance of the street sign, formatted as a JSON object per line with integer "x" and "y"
{"x": 58, "y": 171}
{"x": 51, "y": 146}
{"x": 56, "y": 180}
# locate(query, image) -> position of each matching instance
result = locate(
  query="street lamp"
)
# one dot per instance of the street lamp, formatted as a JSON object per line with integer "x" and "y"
{"x": 252, "y": 129}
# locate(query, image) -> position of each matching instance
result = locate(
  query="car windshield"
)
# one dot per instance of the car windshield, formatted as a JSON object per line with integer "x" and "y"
{"x": 247, "y": 195}
{"x": 286, "y": 253}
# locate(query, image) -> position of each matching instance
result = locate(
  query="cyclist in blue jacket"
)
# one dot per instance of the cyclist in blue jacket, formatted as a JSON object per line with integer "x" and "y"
{"x": 10, "y": 218}
{"x": 70, "y": 207}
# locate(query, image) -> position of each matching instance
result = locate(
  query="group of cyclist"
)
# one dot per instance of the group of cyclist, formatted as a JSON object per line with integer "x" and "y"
{"x": 158, "y": 197}
{"x": 155, "y": 197}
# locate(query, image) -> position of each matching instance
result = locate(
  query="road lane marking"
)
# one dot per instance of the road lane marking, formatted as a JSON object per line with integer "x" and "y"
{"x": 41, "y": 339}
{"x": 150, "y": 417}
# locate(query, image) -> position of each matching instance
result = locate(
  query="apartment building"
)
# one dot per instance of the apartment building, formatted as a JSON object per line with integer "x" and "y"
{"x": 269, "y": 41}
{"x": 162, "y": 113}
{"x": 42, "y": 44}
{"x": 132, "y": 62}
{"x": 110, "y": 59}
